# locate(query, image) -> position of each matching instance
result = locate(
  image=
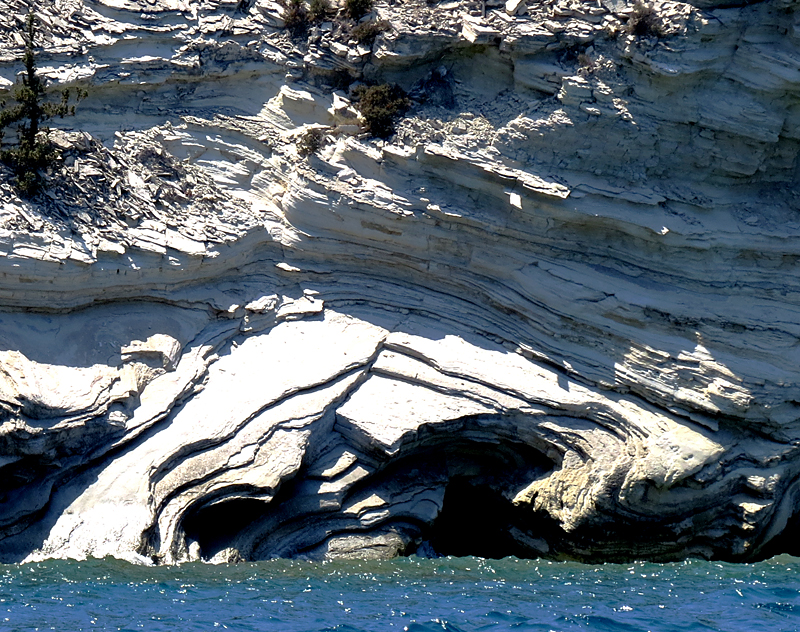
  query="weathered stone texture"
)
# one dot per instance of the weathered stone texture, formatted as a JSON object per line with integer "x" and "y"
{"x": 557, "y": 314}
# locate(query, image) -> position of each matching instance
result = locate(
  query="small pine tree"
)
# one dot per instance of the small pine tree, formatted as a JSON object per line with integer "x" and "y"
{"x": 33, "y": 152}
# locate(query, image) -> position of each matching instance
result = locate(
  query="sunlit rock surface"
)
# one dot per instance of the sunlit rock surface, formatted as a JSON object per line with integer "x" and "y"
{"x": 557, "y": 314}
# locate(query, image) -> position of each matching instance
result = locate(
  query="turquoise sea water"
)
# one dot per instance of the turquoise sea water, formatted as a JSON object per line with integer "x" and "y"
{"x": 418, "y": 595}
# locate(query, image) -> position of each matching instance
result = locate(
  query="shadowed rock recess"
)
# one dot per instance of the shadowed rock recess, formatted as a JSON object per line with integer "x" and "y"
{"x": 556, "y": 314}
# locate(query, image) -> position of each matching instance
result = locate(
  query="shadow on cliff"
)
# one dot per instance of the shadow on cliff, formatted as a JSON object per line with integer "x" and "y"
{"x": 94, "y": 335}
{"x": 30, "y": 533}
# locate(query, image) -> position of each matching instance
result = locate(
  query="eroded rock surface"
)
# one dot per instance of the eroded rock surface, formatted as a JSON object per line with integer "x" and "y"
{"x": 556, "y": 314}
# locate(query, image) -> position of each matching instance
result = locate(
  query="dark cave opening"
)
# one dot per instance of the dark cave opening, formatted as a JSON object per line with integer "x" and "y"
{"x": 215, "y": 526}
{"x": 474, "y": 520}
{"x": 479, "y": 479}
{"x": 786, "y": 542}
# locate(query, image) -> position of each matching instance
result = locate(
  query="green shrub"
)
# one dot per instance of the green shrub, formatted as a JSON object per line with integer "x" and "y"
{"x": 380, "y": 106}
{"x": 366, "y": 32}
{"x": 33, "y": 153}
{"x": 357, "y": 9}
{"x": 295, "y": 16}
{"x": 645, "y": 21}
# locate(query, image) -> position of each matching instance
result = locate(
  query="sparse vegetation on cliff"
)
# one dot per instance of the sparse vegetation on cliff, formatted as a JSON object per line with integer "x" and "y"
{"x": 319, "y": 10}
{"x": 295, "y": 16}
{"x": 357, "y": 9}
{"x": 380, "y": 106}
{"x": 310, "y": 141}
{"x": 299, "y": 15}
{"x": 366, "y": 32}
{"x": 33, "y": 152}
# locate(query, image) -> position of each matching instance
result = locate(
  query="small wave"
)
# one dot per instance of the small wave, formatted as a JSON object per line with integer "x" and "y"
{"x": 599, "y": 622}
{"x": 780, "y": 608}
{"x": 434, "y": 625}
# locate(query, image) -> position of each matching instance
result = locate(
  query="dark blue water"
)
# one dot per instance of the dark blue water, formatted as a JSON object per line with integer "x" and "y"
{"x": 418, "y": 595}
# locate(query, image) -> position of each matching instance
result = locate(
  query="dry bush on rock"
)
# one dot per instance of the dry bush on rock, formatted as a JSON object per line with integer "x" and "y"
{"x": 645, "y": 21}
{"x": 366, "y": 32}
{"x": 310, "y": 141}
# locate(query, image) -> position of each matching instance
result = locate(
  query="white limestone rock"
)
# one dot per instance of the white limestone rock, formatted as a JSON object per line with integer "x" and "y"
{"x": 561, "y": 302}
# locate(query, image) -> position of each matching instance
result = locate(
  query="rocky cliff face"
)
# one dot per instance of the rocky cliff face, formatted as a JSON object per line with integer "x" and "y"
{"x": 556, "y": 314}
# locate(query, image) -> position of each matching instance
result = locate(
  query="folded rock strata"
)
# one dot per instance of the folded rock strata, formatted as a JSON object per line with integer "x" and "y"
{"x": 557, "y": 314}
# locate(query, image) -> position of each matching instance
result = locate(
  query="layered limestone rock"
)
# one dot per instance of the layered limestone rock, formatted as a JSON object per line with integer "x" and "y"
{"x": 556, "y": 314}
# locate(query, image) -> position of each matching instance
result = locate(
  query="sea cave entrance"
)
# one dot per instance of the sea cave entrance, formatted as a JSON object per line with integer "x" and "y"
{"x": 217, "y": 525}
{"x": 478, "y": 516}
{"x": 474, "y": 520}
